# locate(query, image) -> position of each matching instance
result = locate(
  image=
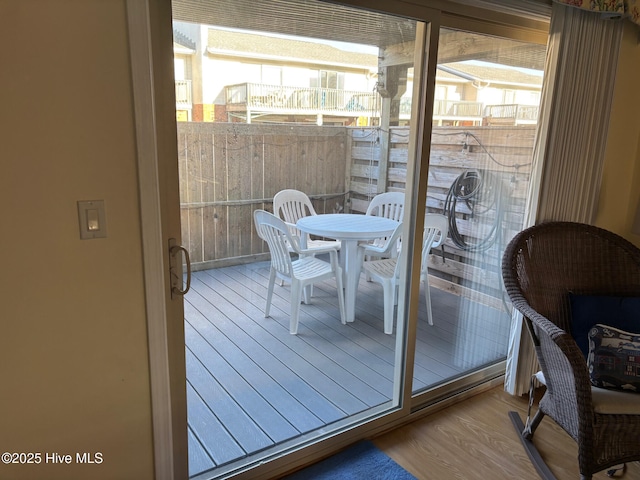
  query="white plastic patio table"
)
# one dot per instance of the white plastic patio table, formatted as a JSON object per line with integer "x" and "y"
{"x": 349, "y": 228}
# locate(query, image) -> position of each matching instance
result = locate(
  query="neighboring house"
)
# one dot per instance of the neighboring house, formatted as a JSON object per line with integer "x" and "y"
{"x": 473, "y": 93}
{"x": 506, "y": 96}
{"x": 184, "y": 51}
{"x": 248, "y": 77}
{"x": 231, "y": 76}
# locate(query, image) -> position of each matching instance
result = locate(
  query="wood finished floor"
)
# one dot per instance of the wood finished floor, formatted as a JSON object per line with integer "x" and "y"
{"x": 475, "y": 439}
{"x": 251, "y": 385}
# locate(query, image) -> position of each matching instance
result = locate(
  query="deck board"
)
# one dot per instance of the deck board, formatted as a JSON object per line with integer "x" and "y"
{"x": 199, "y": 459}
{"x": 269, "y": 419}
{"x": 325, "y": 355}
{"x": 251, "y": 384}
{"x": 306, "y": 363}
{"x": 263, "y": 374}
{"x": 209, "y": 433}
{"x": 229, "y": 413}
{"x": 278, "y": 373}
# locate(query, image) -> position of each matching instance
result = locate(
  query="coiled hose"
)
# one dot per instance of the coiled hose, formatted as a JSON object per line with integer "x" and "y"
{"x": 481, "y": 192}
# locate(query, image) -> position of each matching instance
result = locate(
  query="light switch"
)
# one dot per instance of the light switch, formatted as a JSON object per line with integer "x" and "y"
{"x": 92, "y": 218}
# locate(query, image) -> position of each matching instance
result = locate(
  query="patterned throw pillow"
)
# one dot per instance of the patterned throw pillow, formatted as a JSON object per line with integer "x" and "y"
{"x": 614, "y": 358}
{"x": 588, "y": 310}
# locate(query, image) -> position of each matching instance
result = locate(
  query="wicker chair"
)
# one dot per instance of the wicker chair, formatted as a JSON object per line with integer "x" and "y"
{"x": 540, "y": 267}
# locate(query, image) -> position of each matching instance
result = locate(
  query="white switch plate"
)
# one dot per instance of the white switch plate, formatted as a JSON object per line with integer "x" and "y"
{"x": 92, "y": 219}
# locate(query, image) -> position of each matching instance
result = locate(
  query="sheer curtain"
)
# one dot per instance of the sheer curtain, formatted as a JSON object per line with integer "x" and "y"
{"x": 582, "y": 59}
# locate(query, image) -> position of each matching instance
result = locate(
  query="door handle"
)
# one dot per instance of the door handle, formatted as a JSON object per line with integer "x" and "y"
{"x": 175, "y": 272}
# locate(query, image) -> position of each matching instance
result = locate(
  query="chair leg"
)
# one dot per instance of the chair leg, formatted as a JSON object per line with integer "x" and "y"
{"x": 530, "y": 429}
{"x": 272, "y": 281}
{"x": 427, "y": 296}
{"x": 308, "y": 292}
{"x": 532, "y": 423}
{"x": 389, "y": 296}
{"x": 531, "y": 450}
{"x": 622, "y": 468}
{"x": 367, "y": 276}
{"x": 296, "y": 298}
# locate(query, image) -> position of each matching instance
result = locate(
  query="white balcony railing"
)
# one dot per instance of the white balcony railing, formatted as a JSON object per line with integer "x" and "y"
{"x": 183, "y": 93}
{"x": 519, "y": 113}
{"x": 279, "y": 98}
{"x": 457, "y": 108}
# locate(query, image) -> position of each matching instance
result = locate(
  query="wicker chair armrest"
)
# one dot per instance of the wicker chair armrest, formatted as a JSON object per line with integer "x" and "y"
{"x": 565, "y": 370}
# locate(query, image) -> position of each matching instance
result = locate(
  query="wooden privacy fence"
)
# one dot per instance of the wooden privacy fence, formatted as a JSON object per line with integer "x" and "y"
{"x": 500, "y": 156}
{"x": 229, "y": 170}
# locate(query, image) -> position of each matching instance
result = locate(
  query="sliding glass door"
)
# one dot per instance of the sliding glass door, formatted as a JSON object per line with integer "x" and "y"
{"x": 485, "y": 120}
{"x": 291, "y": 95}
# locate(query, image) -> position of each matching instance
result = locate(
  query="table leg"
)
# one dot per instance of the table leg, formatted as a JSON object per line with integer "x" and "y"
{"x": 350, "y": 274}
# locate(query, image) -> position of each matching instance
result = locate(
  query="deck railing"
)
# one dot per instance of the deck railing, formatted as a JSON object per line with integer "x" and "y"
{"x": 183, "y": 92}
{"x": 523, "y": 113}
{"x": 452, "y": 109}
{"x": 261, "y": 97}
{"x": 457, "y": 108}
{"x": 280, "y": 98}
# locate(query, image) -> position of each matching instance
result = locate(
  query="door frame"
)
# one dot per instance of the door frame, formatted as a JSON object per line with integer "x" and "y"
{"x": 158, "y": 218}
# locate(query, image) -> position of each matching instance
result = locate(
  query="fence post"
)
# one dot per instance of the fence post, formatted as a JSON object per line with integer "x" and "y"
{"x": 394, "y": 84}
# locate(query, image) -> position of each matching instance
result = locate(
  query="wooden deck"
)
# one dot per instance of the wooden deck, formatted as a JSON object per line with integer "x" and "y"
{"x": 251, "y": 385}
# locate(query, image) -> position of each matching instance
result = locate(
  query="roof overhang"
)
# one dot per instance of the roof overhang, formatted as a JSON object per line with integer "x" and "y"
{"x": 332, "y": 21}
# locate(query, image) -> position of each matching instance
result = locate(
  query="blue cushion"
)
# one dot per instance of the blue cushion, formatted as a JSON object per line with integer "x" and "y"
{"x": 588, "y": 310}
{"x": 614, "y": 358}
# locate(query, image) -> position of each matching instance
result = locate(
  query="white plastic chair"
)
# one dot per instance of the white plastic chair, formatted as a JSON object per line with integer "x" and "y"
{"x": 291, "y": 205}
{"x": 303, "y": 272}
{"x": 436, "y": 229}
{"x": 387, "y": 205}
{"x": 385, "y": 272}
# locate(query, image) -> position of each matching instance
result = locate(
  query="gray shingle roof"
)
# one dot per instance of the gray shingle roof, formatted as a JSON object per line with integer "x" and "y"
{"x": 275, "y": 46}
{"x": 497, "y": 74}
